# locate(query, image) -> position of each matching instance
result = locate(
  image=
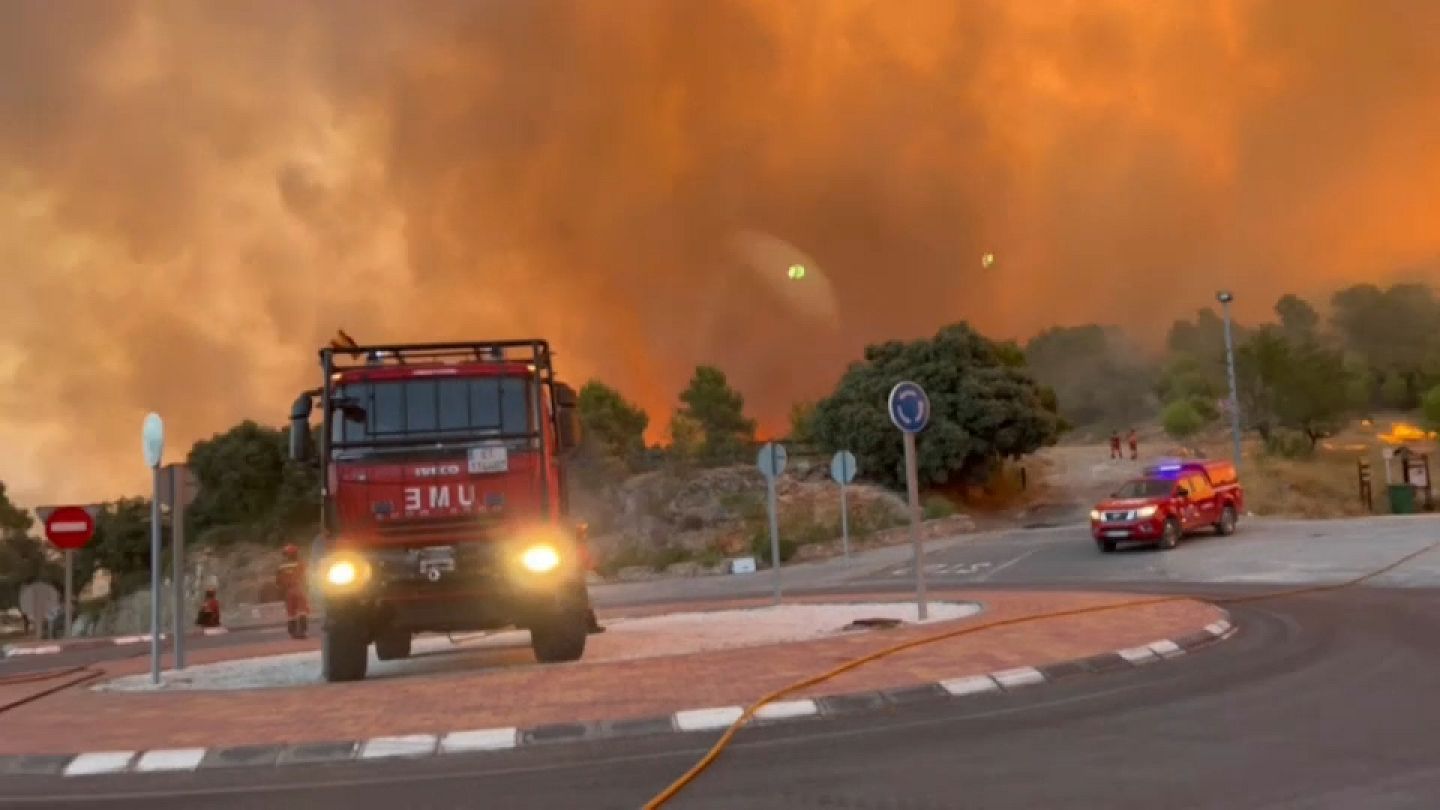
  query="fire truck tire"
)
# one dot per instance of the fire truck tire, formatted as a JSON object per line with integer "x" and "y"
{"x": 560, "y": 638}
{"x": 1170, "y": 537}
{"x": 1226, "y": 526}
{"x": 392, "y": 645}
{"x": 344, "y": 652}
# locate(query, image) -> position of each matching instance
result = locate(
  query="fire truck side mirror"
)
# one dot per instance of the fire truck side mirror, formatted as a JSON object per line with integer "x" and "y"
{"x": 300, "y": 449}
{"x": 567, "y": 423}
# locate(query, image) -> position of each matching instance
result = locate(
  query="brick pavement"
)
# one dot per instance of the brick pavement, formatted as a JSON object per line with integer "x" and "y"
{"x": 515, "y": 692}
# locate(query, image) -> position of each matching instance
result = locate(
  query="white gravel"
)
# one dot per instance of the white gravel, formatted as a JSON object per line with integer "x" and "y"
{"x": 625, "y": 639}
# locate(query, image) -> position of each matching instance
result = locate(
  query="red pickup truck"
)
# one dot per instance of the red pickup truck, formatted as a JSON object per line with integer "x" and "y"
{"x": 1170, "y": 501}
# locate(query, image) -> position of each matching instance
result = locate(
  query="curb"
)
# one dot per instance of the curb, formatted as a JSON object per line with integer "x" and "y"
{"x": 179, "y": 760}
{"x": 62, "y": 646}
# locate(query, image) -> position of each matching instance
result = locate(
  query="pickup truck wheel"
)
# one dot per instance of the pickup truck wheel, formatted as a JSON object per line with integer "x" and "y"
{"x": 1170, "y": 537}
{"x": 1226, "y": 526}
{"x": 560, "y": 638}
{"x": 344, "y": 652}
{"x": 392, "y": 645}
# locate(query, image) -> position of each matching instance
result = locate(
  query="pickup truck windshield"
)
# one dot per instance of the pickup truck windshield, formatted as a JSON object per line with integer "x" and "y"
{"x": 431, "y": 408}
{"x": 1145, "y": 489}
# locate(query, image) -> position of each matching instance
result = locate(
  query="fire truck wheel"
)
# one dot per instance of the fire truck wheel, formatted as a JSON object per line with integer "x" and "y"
{"x": 560, "y": 638}
{"x": 392, "y": 645}
{"x": 1107, "y": 546}
{"x": 1170, "y": 537}
{"x": 343, "y": 653}
{"x": 1226, "y": 526}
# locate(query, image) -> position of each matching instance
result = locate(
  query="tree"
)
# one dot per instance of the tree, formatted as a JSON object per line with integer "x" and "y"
{"x": 121, "y": 545}
{"x": 1392, "y": 330}
{"x": 1181, "y": 419}
{"x": 802, "y": 423}
{"x": 1312, "y": 394}
{"x": 1259, "y": 364}
{"x": 1430, "y": 408}
{"x": 1298, "y": 320}
{"x": 719, "y": 410}
{"x": 687, "y": 437}
{"x": 249, "y": 484}
{"x": 1095, "y": 375}
{"x": 23, "y": 557}
{"x": 983, "y": 409}
{"x": 612, "y": 423}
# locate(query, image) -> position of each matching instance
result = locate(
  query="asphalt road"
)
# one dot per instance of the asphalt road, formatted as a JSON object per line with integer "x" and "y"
{"x": 1320, "y": 701}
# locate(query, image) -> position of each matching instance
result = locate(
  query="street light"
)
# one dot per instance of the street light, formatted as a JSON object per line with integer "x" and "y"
{"x": 1224, "y": 297}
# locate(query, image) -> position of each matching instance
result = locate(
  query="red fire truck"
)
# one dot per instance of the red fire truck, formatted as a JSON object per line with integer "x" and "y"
{"x": 444, "y": 498}
{"x": 1173, "y": 499}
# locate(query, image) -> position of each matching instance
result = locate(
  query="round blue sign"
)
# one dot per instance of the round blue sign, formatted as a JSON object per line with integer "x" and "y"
{"x": 909, "y": 407}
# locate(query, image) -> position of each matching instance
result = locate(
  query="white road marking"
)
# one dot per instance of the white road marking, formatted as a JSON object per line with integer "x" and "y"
{"x": 485, "y": 739}
{"x": 412, "y": 745}
{"x": 99, "y": 762}
{"x": 49, "y": 649}
{"x": 171, "y": 759}
{"x": 974, "y": 684}
{"x": 787, "y": 708}
{"x": 1001, "y": 567}
{"x": 1166, "y": 648}
{"x": 1020, "y": 676}
{"x": 1138, "y": 655}
{"x": 703, "y": 719}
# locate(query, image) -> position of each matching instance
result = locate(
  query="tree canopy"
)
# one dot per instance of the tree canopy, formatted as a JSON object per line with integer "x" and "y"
{"x": 23, "y": 557}
{"x": 612, "y": 423}
{"x": 719, "y": 412}
{"x": 983, "y": 408}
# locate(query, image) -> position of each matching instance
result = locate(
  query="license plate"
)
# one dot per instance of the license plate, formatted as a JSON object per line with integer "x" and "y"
{"x": 1117, "y": 534}
{"x": 436, "y": 561}
{"x": 490, "y": 458}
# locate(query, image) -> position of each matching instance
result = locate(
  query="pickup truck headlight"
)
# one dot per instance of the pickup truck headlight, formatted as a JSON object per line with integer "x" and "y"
{"x": 1095, "y": 514}
{"x": 1146, "y": 511}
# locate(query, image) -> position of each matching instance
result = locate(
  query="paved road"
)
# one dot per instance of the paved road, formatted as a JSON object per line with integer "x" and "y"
{"x": 1320, "y": 702}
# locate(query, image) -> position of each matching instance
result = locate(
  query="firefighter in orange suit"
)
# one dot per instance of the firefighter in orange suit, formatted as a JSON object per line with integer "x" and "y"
{"x": 291, "y": 579}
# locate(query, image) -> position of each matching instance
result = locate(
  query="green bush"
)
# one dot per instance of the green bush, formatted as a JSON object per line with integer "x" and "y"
{"x": 1430, "y": 408}
{"x": 937, "y": 506}
{"x": 1181, "y": 419}
{"x": 1287, "y": 443}
{"x": 760, "y": 546}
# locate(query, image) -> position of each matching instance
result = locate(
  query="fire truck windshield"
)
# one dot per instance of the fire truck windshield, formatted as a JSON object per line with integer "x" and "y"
{"x": 428, "y": 408}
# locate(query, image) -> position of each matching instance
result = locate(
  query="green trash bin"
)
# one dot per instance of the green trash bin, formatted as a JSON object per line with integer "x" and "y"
{"x": 1402, "y": 499}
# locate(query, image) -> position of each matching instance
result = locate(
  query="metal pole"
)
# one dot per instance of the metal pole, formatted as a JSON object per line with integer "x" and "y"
{"x": 155, "y": 577}
{"x": 774, "y": 530}
{"x": 1234, "y": 396}
{"x": 69, "y": 577}
{"x": 177, "y": 539}
{"x": 912, "y": 485}
{"x": 844, "y": 521}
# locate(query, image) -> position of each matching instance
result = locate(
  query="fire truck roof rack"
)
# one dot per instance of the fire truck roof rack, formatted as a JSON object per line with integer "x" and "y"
{"x": 534, "y": 352}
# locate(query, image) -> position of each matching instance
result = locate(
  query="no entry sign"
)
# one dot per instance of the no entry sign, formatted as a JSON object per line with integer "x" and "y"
{"x": 69, "y": 527}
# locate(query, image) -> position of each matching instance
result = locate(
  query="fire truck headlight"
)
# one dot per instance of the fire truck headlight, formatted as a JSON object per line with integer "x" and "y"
{"x": 345, "y": 573}
{"x": 1095, "y": 514}
{"x": 342, "y": 573}
{"x": 1146, "y": 511}
{"x": 540, "y": 559}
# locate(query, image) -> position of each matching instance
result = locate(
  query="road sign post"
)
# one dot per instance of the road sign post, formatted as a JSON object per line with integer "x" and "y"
{"x": 180, "y": 487}
{"x": 842, "y": 469}
{"x": 152, "y": 440}
{"x": 910, "y": 412}
{"x": 772, "y": 463}
{"x": 68, "y": 528}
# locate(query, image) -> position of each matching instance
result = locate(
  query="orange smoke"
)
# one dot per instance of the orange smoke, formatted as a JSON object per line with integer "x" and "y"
{"x": 194, "y": 195}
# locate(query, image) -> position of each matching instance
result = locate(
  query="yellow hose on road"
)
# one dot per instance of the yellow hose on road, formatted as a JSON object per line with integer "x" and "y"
{"x": 720, "y": 745}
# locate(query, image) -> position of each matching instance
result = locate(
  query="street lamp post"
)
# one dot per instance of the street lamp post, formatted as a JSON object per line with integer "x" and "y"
{"x": 1224, "y": 297}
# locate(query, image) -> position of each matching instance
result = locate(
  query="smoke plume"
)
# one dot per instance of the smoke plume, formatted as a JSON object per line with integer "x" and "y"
{"x": 194, "y": 195}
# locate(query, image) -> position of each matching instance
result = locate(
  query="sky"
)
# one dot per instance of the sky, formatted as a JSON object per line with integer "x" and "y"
{"x": 195, "y": 195}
